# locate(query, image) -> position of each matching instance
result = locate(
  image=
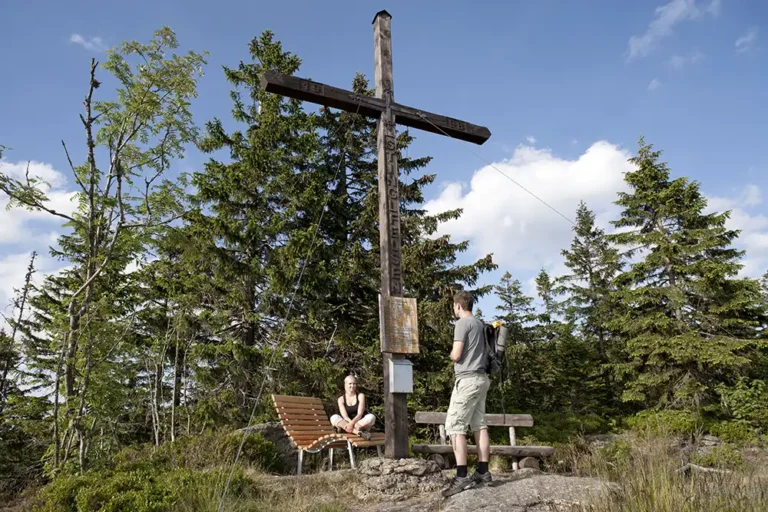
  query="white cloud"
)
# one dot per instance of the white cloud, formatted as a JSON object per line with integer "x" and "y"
{"x": 531, "y": 139}
{"x": 522, "y": 233}
{"x": 666, "y": 18}
{"x": 94, "y": 44}
{"x": 753, "y": 226}
{"x": 23, "y": 231}
{"x": 20, "y": 226}
{"x": 13, "y": 269}
{"x": 654, "y": 85}
{"x": 747, "y": 42}
{"x": 679, "y": 62}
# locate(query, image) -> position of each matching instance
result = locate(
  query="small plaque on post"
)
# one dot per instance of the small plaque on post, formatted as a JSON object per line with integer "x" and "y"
{"x": 399, "y": 325}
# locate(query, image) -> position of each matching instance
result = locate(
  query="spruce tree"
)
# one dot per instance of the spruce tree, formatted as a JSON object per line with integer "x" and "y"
{"x": 516, "y": 309}
{"x": 247, "y": 206}
{"x": 690, "y": 323}
{"x": 593, "y": 263}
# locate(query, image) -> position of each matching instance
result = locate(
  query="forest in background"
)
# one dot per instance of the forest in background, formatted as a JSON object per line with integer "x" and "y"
{"x": 180, "y": 289}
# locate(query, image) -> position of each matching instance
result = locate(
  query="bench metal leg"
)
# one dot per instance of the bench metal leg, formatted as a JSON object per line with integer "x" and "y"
{"x": 330, "y": 459}
{"x": 351, "y": 455}
{"x": 513, "y": 442}
{"x": 378, "y": 451}
{"x": 301, "y": 462}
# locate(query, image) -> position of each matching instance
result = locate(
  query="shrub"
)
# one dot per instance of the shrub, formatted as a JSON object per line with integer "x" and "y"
{"x": 666, "y": 422}
{"x": 210, "y": 450}
{"x": 724, "y": 456}
{"x": 139, "y": 487}
{"x": 561, "y": 428}
{"x": 747, "y": 401}
{"x": 738, "y": 432}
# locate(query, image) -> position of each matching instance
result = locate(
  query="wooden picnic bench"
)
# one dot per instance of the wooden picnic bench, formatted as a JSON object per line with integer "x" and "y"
{"x": 493, "y": 420}
{"x": 307, "y": 426}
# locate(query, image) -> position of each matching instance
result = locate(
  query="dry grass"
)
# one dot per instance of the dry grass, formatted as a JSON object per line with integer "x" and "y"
{"x": 645, "y": 469}
{"x": 325, "y": 492}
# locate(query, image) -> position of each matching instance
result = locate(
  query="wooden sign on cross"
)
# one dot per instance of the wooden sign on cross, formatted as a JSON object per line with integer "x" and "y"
{"x": 389, "y": 113}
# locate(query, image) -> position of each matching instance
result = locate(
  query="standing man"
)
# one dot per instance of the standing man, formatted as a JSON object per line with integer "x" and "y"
{"x": 467, "y": 408}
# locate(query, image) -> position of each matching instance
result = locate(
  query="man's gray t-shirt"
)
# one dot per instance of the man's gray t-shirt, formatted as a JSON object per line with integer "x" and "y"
{"x": 471, "y": 331}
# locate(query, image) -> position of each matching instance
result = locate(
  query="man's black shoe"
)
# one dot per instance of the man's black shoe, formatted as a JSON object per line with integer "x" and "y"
{"x": 483, "y": 479}
{"x": 457, "y": 485}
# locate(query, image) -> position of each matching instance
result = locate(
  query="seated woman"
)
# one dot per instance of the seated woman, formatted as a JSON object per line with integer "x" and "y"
{"x": 353, "y": 417}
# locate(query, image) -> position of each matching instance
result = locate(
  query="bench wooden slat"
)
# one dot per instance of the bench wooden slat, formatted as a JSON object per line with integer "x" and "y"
{"x": 514, "y": 451}
{"x": 316, "y": 416}
{"x": 313, "y": 428}
{"x": 296, "y": 399}
{"x": 310, "y": 437}
{"x": 300, "y": 407}
{"x": 292, "y": 423}
{"x": 493, "y": 420}
{"x": 302, "y": 413}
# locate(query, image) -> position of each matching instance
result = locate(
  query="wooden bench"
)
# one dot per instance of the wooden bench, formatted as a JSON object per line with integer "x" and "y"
{"x": 493, "y": 420}
{"x": 309, "y": 429}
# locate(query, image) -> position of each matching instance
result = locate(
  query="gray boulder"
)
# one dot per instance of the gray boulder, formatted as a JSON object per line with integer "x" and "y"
{"x": 275, "y": 433}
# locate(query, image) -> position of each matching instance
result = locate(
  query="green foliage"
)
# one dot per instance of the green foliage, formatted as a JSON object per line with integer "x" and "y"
{"x": 747, "y": 401}
{"x": 666, "y": 422}
{"x": 562, "y": 428}
{"x": 213, "y": 449}
{"x": 723, "y": 456}
{"x": 737, "y": 432}
{"x": 136, "y": 487}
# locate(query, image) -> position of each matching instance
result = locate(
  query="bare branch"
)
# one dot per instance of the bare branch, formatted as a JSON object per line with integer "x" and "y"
{"x": 71, "y": 166}
{"x": 32, "y": 203}
{"x": 158, "y": 223}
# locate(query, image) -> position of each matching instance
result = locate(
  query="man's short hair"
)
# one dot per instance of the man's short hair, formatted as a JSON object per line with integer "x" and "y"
{"x": 465, "y": 300}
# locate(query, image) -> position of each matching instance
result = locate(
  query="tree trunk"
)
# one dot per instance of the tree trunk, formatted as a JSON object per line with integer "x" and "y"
{"x": 176, "y": 390}
{"x": 673, "y": 284}
{"x": 81, "y": 408}
{"x": 156, "y": 400}
{"x": 56, "y": 440}
{"x": 22, "y": 303}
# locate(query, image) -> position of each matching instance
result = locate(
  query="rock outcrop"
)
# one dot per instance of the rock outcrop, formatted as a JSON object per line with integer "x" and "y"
{"x": 275, "y": 433}
{"x": 525, "y": 490}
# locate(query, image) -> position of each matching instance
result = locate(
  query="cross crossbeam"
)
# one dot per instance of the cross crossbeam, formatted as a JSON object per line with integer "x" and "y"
{"x": 316, "y": 92}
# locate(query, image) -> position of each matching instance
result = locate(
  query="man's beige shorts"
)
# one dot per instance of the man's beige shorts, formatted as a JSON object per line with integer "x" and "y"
{"x": 467, "y": 407}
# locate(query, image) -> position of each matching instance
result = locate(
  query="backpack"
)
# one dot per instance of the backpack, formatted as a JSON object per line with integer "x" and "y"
{"x": 495, "y": 346}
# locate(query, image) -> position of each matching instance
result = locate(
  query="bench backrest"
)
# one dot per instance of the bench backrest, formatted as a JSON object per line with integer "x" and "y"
{"x": 493, "y": 420}
{"x": 303, "y": 418}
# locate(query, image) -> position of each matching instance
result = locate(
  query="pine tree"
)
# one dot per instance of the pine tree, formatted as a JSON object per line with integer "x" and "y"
{"x": 689, "y": 323}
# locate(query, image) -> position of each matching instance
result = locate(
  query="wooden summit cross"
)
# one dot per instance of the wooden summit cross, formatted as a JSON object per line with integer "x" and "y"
{"x": 389, "y": 113}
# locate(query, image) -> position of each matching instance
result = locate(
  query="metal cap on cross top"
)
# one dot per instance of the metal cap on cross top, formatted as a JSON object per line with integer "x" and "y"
{"x": 384, "y": 14}
{"x": 389, "y": 114}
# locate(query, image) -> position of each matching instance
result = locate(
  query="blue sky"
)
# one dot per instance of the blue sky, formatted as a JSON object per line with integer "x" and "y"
{"x": 565, "y": 87}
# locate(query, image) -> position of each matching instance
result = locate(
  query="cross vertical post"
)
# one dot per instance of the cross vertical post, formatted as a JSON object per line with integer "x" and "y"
{"x": 389, "y": 114}
{"x": 396, "y": 404}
